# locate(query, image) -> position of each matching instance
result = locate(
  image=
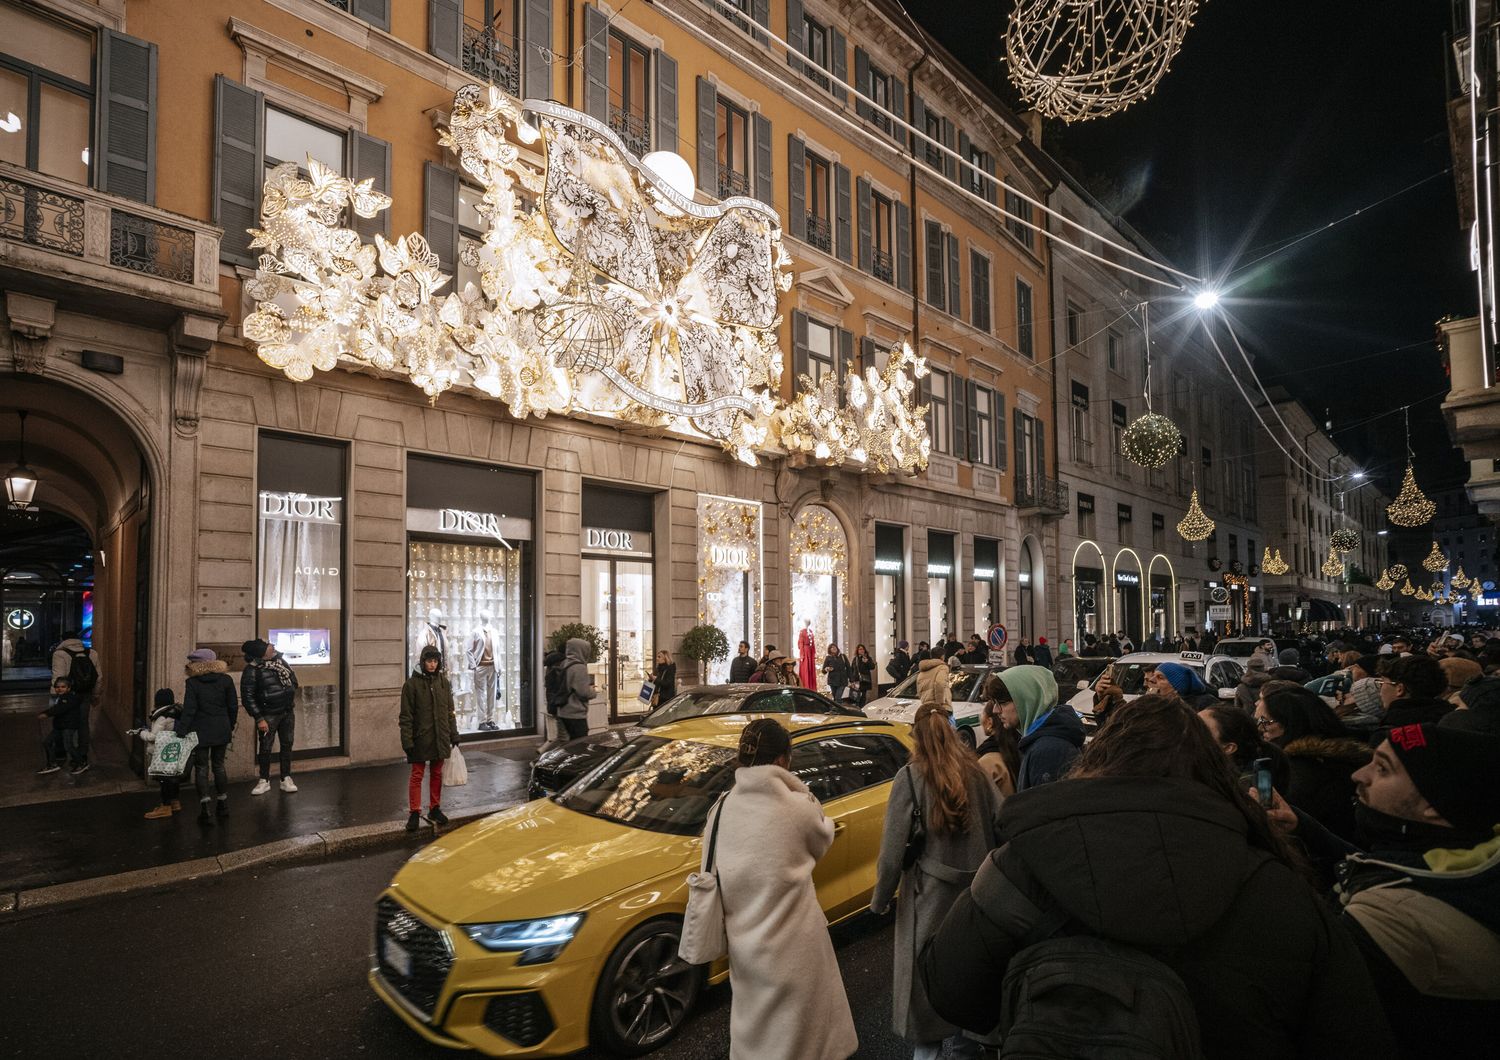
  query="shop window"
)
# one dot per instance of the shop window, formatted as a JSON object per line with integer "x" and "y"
{"x": 469, "y": 561}
{"x": 300, "y": 575}
{"x": 618, "y": 594}
{"x": 630, "y": 92}
{"x": 986, "y": 581}
{"x": 46, "y": 95}
{"x": 890, "y": 595}
{"x": 730, "y": 574}
{"x": 941, "y": 577}
{"x": 819, "y": 553}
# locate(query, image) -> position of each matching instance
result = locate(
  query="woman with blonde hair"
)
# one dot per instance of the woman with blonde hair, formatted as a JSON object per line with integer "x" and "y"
{"x": 941, "y": 821}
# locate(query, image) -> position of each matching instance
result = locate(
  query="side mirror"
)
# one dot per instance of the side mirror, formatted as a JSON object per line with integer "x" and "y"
{"x": 1226, "y": 693}
{"x": 1082, "y": 685}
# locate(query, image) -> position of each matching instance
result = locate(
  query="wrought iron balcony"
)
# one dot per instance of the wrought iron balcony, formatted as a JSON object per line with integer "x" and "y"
{"x": 880, "y": 265}
{"x": 632, "y": 129}
{"x": 59, "y": 232}
{"x": 492, "y": 56}
{"x": 733, "y": 183}
{"x": 1047, "y": 494}
{"x": 819, "y": 232}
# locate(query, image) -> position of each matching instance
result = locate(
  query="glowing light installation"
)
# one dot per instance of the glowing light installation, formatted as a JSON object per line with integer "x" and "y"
{"x": 1332, "y": 567}
{"x": 1195, "y": 525}
{"x": 1275, "y": 565}
{"x": 615, "y": 295}
{"x": 1435, "y": 560}
{"x": 1151, "y": 440}
{"x": 1344, "y": 539}
{"x": 1411, "y": 507}
{"x": 1081, "y": 59}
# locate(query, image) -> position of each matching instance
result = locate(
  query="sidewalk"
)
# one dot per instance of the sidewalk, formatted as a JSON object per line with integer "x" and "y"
{"x": 84, "y": 839}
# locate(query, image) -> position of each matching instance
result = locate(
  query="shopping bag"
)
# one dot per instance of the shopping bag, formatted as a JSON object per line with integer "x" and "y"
{"x": 704, "y": 938}
{"x": 647, "y": 691}
{"x": 456, "y": 772}
{"x": 171, "y": 754}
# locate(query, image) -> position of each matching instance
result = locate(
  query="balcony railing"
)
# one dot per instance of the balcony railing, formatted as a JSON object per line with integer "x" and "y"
{"x": 1083, "y": 451}
{"x": 492, "y": 56}
{"x": 632, "y": 129}
{"x": 1047, "y": 494}
{"x": 819, "y": 232}
{"x": 733, "y": 183}
{"x": 880, "y": 265}
{"x": 44, "y": 219}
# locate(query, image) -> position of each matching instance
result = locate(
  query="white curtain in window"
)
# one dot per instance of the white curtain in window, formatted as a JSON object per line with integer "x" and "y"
{"x": 299, "y": 564}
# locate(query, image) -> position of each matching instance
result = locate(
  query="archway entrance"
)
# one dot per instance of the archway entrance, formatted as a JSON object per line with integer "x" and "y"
{"x": 819, "y": 552}
{"x": 76, "y": 561}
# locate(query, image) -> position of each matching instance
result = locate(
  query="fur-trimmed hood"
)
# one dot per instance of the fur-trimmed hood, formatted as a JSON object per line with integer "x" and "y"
{"x": 1331, "y": 748}
{"x": 1255, "y": 678}
{"x": 208, "y": 666}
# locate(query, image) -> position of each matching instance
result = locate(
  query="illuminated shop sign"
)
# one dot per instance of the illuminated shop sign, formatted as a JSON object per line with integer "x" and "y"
{"x": 20, "y": 618}
{"x": 301, "y": 507}
{"x": 817, "y": 563}
{"x": 1126, "y": 577}
{"x": 889, "y": 566}
{"x": 732, "y": 557}
{"x": 939, "y": 570}
{"x": 459, "y": 522}
{"x": 617, "y": 542}
{"x": 984, "y": 574}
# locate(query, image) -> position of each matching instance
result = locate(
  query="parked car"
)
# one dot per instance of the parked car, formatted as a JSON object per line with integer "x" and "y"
{"x": 1238, "y": 647}
{"x": 559, "y": 766}
{"x": 1071, "y": 669}
{"x": 1219, "y": 673}
{"x": 967, "y": 685}
{"x": 553, "y": 926}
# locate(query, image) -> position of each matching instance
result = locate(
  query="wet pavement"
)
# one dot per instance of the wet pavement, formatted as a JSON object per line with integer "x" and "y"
{"x": 84, "y": 838}
{"x": 272, "y": 965}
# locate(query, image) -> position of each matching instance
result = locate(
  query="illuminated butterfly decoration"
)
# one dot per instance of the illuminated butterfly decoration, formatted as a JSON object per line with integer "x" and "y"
{"x": 673, "y": 302}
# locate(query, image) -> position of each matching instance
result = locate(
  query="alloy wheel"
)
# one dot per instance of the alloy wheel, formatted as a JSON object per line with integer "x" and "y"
{"x": 652, "y": 991}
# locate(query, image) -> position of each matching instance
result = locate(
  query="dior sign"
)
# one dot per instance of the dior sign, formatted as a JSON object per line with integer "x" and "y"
{"x": 735, "y": 557}
{"x": 460, "y": 522}
{"x": 817, "y": 563}
{"x": 617, "y": 542}
{"x": 299, "y": 506}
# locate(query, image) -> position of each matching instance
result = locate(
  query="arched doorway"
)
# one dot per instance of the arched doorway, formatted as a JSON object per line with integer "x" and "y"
{"x": 819, "y": 552}
{"x": 1163, "y": 598}
{"x": 1090, "y": 596}
{"x": 1029, "y": 575}
{"x": 1129, "y": 606}
{"x": 46, "y": 593}
{"x": 87, "y": 538}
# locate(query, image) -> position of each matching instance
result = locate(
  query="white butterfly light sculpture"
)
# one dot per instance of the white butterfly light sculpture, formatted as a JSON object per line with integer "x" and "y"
{"x": 602, "y": 290}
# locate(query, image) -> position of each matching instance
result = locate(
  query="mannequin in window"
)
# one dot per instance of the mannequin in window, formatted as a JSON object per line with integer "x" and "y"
{"x": 481, "y": 655}
{"x": 807, "y": 662}
{"x": 435, "y": 635}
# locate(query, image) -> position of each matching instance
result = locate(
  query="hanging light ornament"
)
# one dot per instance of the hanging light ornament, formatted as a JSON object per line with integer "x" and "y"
{"x": 1460, "y": 580}
{"x": 1275, "y": 565}
{"x": 1081, "y": 59}
{"x": 1435, "y": 560}
{"x": 1195, "y": 525}
{"x": 1344, "y": 539}
{"x": 1332, "y": 567}
{"x": 1384, "y": 583}
{"x": 1411, "y": 507}
{"x": 1151, "y": 439}
{"x": 1396, "y": 571}
{"x": 1407, "y": 590}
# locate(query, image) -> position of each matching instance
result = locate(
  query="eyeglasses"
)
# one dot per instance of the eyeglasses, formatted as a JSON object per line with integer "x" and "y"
{"x": 1264, "y": 723}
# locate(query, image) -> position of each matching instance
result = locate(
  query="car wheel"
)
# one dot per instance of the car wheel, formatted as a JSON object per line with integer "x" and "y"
{"x": 966, "y": 734}
{"x": 645, "y": 992}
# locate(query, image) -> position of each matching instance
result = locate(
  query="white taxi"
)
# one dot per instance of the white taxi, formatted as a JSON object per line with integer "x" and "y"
{"x": 1219, "y": 673}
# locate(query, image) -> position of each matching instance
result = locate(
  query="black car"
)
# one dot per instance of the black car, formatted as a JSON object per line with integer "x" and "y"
{"x": 559, "y": 766}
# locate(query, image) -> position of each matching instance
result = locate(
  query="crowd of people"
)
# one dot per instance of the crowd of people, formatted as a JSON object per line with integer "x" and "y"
{"x": 1291, "y": 871}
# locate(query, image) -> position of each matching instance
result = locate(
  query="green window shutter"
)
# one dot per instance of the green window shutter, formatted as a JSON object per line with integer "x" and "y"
{"x": 370, "y": 159}
{"x": 445, "y": 30}
{"x": 595, "y": 64}
{"x": 795, "y": 35}
{"x": 796, "y": 161}
{"x": 666, "y": 102}
{"x": 125, "y": 141}
{"x": 955, "y": 304}
{"x": 239, "y": 166}
{"x": 708, "y": 137}
{"x": 958, "y": 410}
{"x": 440, "y": 215}
{"x": 862, "y": 84}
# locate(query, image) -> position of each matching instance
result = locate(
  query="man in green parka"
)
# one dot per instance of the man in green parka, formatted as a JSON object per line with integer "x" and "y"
{"x": 429, "y": 728}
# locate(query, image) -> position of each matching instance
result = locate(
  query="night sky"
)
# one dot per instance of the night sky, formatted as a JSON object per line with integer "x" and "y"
{"x": 1278, "y": 117}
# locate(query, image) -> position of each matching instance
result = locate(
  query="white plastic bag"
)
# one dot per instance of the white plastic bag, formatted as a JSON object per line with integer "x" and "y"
{"x": 455, "y": 773}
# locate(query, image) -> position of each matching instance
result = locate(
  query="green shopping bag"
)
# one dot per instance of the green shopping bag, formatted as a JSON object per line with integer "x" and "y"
{"x": 171, "y": 754}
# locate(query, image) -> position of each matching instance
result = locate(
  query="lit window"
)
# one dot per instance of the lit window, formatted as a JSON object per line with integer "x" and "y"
{"x": 46, "y": 95}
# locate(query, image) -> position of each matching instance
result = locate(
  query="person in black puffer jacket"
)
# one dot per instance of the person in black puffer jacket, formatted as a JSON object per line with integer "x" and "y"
{"x": 1321, "y": 754}
{"x": 268, "y": 692}
{"x": 210, "y": 708}
{"x": 1412, "y": 691}
{"x": 742, "y": 665}
{"x": 1150, "y": 843}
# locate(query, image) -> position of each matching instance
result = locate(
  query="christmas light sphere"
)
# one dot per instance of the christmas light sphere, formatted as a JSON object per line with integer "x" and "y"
{"x": 1396, "y": 571}
{"x": 1151, "y": 440}
{"x": 1344, "y": 539}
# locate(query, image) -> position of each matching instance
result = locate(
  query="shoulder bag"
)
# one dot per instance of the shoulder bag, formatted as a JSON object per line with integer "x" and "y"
{"x": 704, "y": 939}
{"x": 916, "y": 835}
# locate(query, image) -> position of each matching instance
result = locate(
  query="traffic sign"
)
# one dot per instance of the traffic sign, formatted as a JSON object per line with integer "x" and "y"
{"x": 997, "y": 637}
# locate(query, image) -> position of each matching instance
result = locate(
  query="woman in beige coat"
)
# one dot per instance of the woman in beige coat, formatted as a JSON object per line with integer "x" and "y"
{"x": 934, "y": 683}
{"x": 788, "y": 1001}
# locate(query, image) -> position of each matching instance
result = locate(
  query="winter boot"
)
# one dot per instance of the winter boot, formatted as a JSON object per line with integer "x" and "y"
{"x": 413, "y": 821}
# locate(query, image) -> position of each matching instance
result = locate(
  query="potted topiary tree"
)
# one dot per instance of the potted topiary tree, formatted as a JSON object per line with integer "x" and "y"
{"x": 577, "y": 631}
{"x": 704, "y": 644}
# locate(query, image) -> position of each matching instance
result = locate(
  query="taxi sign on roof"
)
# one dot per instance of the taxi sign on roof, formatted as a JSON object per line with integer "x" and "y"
{"x": 1191, "y": 656}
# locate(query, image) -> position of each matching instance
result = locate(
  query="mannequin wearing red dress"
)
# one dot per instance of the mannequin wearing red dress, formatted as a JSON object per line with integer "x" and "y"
{"x": 807, "y": 661}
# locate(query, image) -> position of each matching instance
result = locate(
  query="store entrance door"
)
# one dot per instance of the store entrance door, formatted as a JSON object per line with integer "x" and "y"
{"x": 618, "y": 600}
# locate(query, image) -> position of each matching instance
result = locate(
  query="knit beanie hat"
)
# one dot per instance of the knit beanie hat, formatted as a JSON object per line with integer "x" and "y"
{"x": 201, "y": 655}
{"x": 1183, "y": 681}
{"x": 1482, "y": 700}
{"x": 1255, "y": 662}
{"x": 163, "y": 698}
{"x": 1460, "y": 672}
{"x": 1289, "y": 657}
{"x": 1033, "y": 689}
{"x": 1367, "y": 663}
{"x": 1454, "y": 770}
{"x": 254, "y": 649}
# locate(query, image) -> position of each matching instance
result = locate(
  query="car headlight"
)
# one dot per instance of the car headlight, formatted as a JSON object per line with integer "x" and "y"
{"x": 538, "y": 941}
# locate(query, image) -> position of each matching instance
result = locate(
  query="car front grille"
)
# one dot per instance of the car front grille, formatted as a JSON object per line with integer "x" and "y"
{"x": 430, "y": 954}
{"x": 520, "y": 1018}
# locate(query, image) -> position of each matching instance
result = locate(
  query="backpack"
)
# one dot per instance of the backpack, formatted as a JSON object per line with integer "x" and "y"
{"x": 82, "y": 672}
{"x": 1077, "y": 996}
{"x": 555, "y": 686}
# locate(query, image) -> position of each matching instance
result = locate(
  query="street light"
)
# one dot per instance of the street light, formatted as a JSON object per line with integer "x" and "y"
{"x": 20, "y": 482}
{"x": 1206, "y": 298}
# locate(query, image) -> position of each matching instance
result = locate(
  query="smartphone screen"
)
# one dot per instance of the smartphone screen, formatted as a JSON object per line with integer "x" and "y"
{"x": 1263, "y": 788}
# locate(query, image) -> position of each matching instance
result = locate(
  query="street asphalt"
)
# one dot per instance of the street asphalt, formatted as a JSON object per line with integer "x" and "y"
{"x": 271, "y": 966}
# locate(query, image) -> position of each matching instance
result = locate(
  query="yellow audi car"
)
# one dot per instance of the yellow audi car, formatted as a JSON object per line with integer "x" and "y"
{"x": 553, "y": 926}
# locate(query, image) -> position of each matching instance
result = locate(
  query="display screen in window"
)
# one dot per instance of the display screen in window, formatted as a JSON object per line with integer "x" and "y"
{"x": 470, "y": 602}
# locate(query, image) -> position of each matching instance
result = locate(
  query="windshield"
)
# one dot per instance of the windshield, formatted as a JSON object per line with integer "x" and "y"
{"x": 655, "y": 784}
{"x": 1237, "y": 649}
{"x": 960, "y": 683}
{"x": 695, "y": 704}
{"x": 1131, "y": 676}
